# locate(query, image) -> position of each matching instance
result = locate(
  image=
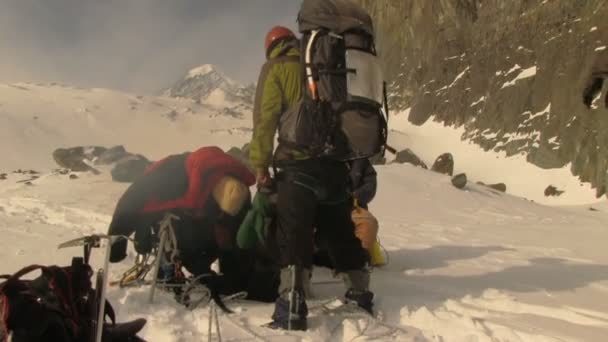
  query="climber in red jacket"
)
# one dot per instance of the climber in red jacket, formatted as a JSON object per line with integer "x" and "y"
{"x": 208, "y": 190}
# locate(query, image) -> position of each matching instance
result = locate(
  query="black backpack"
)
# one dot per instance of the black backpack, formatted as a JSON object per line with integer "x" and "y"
{"x": 340, "y": 114}
{"x": 60, "y": 305}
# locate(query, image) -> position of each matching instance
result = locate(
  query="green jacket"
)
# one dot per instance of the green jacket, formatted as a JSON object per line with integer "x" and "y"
{"x": 256, "y": 225}
{"x": 279, "y": 87}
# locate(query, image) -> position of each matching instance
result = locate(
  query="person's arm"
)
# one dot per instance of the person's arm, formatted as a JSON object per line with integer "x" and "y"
{"x": 366, "y": 191}
{"x": 267, "y": 110}
{"x": 119, "y": 226}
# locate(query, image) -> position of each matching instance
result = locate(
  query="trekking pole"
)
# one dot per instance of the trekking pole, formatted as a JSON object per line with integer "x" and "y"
{"x": 217, "y": 323}
{"x": 390, "y": 149}
{"x": 213, "y": 319}
{"x": 159, "y": 256}
{"x": 102, "y": 297}
{"x": 165, "y": 228}
{"x": 292, "y": 296}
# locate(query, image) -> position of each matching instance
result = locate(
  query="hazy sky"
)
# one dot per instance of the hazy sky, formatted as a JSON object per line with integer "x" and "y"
{"x": 135, "y": 45}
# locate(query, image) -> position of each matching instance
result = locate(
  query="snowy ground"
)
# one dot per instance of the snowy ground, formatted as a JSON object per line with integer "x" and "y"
{"x": 465, "y": 265}
{"x": 522, "y": 178}
{"x": 37, "y": 119}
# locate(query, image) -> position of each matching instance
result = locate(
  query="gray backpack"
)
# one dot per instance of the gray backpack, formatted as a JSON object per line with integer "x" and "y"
{"x": 342, "y": 113}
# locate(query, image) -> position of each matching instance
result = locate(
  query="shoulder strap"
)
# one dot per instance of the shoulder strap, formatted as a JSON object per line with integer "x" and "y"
{"x": 109, "y": 312}
{"x": 21, "y": 273}
{"x": 283, "y": 59}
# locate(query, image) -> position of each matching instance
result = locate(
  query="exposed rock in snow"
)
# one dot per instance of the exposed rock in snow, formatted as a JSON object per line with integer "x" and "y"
{"x": 207, "y": 84}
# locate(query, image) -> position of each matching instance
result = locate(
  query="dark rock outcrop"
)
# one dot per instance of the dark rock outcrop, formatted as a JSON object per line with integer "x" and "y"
{"x": 241, "y": 154}
{"x": 112, "y": 155}
{"x": 553, "y": 191}
{"x": 408, "y": 156}
{"x": 512, "y": 73}
{"x": 459, "y": 181}
{"x": 129, "y": 169}
{"x": 444, "y": 164}
{"x": 235, "y": 152}
{"x": 73, "y": 158}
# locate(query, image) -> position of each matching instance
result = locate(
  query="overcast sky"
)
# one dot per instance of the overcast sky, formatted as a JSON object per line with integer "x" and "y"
{"x": 135, "y": 45}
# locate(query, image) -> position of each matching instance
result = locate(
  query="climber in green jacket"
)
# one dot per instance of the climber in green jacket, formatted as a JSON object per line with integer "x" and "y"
{"x": 279, "y": 87}
{"x": 313, "y": 193}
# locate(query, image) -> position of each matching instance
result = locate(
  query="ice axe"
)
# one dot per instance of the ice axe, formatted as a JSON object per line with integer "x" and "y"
{"x": 90, "y": 242}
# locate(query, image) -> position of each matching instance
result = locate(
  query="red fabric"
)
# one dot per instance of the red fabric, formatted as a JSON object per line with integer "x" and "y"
{"x": 4, "y": 319}
{"x": 205, "y": 168}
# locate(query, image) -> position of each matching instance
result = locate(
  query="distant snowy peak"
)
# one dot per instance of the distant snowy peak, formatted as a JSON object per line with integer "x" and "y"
{"x": 207, "y": 84}
{"x": 202, "y": 70}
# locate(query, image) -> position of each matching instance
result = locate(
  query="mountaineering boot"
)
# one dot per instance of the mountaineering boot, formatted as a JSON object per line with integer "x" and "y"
{"x": 296, "y": 320}
{"x": 290, "y": 310}
{"x": 357, "y": 289}
{"x": 363, "y": 299}
{"x": 166, "y": 272}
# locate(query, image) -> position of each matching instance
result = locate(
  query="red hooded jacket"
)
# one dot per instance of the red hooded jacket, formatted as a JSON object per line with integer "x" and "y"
{"x": 204, "y": 169}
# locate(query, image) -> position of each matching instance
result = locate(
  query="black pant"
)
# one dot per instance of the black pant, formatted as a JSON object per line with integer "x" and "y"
{"x": 314, "y": 194}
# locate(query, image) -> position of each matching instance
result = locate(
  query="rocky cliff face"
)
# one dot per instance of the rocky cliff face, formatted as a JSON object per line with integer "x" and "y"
{"x": 512, "y": 72}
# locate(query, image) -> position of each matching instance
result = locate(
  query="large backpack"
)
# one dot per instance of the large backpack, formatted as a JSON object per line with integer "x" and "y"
{"x": 60, "y": 305}
{"x": 340, "y": 114}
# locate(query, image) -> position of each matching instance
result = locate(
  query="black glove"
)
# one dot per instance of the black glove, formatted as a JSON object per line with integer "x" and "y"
{"x": 123, "y": 332}
{"x": 144, "y": 240}
{"x": 118, "y": 252}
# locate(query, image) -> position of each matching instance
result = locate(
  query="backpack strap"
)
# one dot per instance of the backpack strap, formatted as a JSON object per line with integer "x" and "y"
{"x": 109, "y": 311}
{"x": 283, "y": 59}
{"x": 17, "y": 275}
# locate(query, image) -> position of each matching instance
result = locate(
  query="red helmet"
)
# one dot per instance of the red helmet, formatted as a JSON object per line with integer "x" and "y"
{"x": 277, "y": 33}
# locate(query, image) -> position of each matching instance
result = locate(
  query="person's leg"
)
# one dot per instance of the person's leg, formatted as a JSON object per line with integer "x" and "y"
{"x": 347, "y": 253}
{"x": 296, "y": 209}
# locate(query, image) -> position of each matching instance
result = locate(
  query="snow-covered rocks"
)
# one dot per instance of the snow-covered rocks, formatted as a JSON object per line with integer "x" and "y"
{"x": 207, "y": 84}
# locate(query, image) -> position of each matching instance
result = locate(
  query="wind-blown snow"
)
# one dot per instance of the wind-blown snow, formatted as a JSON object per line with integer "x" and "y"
{"x": 526, "y": 73}
{"x": 456, "y": 79}
{"x": 513, "y": 69}
{"x": 480, "y": 100}
{"x": 527, "y": 122}
{"x": 459, "y": 76}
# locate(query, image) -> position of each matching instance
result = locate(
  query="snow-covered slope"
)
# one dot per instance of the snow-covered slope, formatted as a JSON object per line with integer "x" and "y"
{"x": 36, "y": 119}
{"x": 521, "y": 178}
{"x": 470, "y": 265}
